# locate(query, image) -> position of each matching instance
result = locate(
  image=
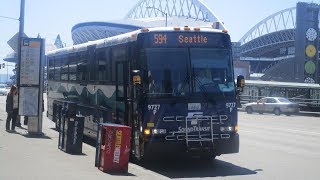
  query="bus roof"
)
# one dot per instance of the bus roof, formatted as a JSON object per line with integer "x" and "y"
{"x": 124, "y": 38}
{"x": 281, "y": 84}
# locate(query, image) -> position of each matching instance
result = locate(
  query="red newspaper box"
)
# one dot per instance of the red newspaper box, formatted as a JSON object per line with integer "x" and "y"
{"x": 114, "y": 148}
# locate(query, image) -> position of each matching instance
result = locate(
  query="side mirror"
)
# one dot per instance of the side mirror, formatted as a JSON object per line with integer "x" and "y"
{"x": 240, "y": 81}
{"x": 136, "y": 77}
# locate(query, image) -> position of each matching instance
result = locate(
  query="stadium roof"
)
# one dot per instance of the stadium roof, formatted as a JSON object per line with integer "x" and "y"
{"x": 150, "y": 13}
{"x": 90, "y": 31}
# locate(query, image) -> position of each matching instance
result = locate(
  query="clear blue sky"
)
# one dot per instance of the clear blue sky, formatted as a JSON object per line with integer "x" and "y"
{"x": 52, "y": 17}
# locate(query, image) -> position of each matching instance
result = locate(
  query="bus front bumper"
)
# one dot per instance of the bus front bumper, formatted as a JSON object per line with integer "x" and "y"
{"x": 218, "y": 147}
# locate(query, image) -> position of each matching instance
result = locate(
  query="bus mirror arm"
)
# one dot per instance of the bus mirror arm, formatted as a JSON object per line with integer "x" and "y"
{"x": 136, "y": 72}
{"x": 136, "y": 77}
{"x": 240, "y": 82}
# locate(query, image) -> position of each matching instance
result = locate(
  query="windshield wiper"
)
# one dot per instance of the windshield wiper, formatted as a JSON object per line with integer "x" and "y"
{"x": 184, "y": 83}
{"x": 203, "y": 90}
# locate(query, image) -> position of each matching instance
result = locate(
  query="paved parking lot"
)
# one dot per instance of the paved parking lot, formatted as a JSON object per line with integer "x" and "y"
{"x": 271, "y": 147}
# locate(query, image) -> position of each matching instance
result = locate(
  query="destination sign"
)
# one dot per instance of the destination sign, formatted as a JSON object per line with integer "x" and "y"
{"x": 160, "y": 38}
{"x": 187, "y": 39}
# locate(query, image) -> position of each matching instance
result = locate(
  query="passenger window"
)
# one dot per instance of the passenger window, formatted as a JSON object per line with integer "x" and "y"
{"x": 271, "y": 101}
{"x": 72, "y": 67}
{"x": 118, "y": 54}
{"x": 51, "y": 69}
{"x": 65, "y": 69}
{"x": 57, "y": 69}
{"x": 102, "y": 65}
{"x": 83, "y": 67}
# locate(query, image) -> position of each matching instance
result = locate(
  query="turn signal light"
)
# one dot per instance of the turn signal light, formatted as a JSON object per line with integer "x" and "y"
{"x": 146, "y": 131}
{"x": 197, "y": 29}
{"x": 236, "y": 128}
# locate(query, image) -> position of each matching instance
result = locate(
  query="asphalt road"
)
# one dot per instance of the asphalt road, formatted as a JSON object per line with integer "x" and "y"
{"x": 271, "y": 147}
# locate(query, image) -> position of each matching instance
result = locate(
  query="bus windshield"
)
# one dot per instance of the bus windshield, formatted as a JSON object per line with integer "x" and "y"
{"x": 211, "y": 69}
{"x": 185, "y": 71}
{"x": 167, "y": 68}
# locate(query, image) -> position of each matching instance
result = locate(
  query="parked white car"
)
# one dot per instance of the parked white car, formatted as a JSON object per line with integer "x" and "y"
{"x": 276, "y": 105}
{"x": 3, "y": 90}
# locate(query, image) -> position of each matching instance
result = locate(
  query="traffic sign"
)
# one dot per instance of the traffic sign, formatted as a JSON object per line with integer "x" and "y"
{"x": 13, "y": 42}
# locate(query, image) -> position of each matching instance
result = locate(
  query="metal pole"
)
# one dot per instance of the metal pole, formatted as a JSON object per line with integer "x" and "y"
{"x": 7, "y": 73}
{"x": 21, "y": 31}
{"x": 166, "y": 19}
{"x": 161, "y": 12}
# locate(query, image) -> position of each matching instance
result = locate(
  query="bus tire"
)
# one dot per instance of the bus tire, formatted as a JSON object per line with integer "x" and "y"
{"x": 249, "y": 110}
{"x": 208, "y": 157}
{"x": 277, "y": 111}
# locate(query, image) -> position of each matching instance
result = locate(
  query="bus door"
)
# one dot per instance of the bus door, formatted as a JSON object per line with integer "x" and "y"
{"x": 121, "y": 92}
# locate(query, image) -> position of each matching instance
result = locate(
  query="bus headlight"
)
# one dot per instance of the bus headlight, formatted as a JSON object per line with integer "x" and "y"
{"x": 227, "y": 129}
{"x": 159, "y": 131}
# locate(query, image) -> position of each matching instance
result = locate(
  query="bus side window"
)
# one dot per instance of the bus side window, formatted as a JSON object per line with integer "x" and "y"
{"x": 118, "y": 54}
{"x": 51, "y": 68}
{"x": 92, "y": 63}
{"x": 72, "y": 67}
{"x": 83, "y": 67}
{"x": 102, "y": 65}
{"x": 65, "y": 68}
{"x": 57, "y": 68}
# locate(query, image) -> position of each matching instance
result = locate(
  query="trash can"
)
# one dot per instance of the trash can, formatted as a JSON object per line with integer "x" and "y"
{"x": 71, "y": 131}
{"x": 113, "y": 148}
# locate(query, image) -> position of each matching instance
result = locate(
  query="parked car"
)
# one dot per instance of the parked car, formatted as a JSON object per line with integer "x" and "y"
{"x": 3, "y": 90}
{"x": 276, "y": 105}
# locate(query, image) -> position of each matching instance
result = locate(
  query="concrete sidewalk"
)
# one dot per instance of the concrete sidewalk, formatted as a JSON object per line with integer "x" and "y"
{"x": 38, "y": 158}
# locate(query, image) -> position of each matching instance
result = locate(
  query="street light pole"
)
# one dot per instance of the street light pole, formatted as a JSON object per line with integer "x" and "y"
{"x": 21, "y": 32}
{"x": 166, "y": 19}
{"x": 7, "y": 73}
{"x": 166, "y": 14}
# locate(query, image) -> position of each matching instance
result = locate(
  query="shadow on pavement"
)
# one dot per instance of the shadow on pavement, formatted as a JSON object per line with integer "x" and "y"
{"x": 197, "y": 168}
{"x": 121, "y": 174}
{"x": 82, "y": 154}
{"x": 43, "y": 136}
{"x": 20, "y": 127}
